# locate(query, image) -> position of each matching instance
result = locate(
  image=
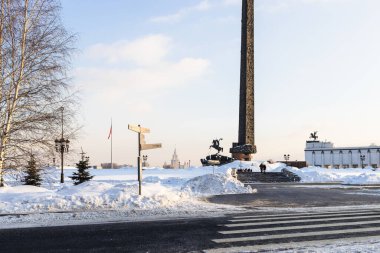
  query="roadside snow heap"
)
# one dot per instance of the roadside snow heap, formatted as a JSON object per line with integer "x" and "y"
{"x": 214, "y": 184}
{"x": 352, "y": 176}
{"x": 364, "y": 179}
{"x": 163, "y": 191}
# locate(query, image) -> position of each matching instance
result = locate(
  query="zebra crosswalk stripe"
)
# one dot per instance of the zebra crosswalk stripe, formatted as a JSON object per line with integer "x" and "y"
{"x": 302, "y": 216}
{"x": 275, "y": 246}
{"x": 257, "y": 230}
{"x": 306, "y": 231}
{"x": 308, "y": 213}
{"x": 299, "y": 221}
{"x": 298, "y": 235}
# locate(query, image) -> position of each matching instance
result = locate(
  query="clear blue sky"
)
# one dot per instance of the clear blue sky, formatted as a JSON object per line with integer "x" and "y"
{"x": 173, "y": 66}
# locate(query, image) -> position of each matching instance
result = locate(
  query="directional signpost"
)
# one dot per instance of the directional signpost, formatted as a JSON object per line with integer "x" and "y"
{"x": 142, "y": 146}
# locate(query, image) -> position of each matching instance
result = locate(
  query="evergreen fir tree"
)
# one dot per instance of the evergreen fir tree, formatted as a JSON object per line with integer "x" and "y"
{"x": 33, "y": 176}
{"x": 82, "y": 175}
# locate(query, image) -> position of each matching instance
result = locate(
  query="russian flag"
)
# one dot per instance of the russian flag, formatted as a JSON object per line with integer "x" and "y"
{"x": 110, "y": 134}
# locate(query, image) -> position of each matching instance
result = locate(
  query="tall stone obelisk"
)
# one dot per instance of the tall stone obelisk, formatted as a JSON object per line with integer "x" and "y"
{"x": 245, "y": 147}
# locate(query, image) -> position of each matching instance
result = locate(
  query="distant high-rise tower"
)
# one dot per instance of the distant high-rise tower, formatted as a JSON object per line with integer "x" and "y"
{"x": 245, "y": 146}
{"x": 175, "y": 161}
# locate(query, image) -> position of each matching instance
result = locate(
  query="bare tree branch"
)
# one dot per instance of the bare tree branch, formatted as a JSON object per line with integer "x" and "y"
{"x": 35, "y": 51}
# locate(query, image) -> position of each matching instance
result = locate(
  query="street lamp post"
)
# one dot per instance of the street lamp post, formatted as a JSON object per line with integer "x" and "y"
{"x": 362, "y": 158}
{"x": 62, "y": 146}
{"x": 286, "y": 157}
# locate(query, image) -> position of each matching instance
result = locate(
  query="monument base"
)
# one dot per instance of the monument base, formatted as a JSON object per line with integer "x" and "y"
{"x": 242, "y": 152}
{"x": 242, "y": 156}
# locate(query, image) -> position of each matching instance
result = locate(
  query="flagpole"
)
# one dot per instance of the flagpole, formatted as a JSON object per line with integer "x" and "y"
{"x": 111, "y": 145}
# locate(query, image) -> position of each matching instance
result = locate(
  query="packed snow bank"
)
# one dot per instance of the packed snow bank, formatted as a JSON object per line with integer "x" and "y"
{"x": 366, "y": 176}
{"x": 346, "y": 176}
{"x": 317, "y": 175}
{"x": 87, "y": 196}
{"x": 161, "y": 189}
{"x": 364, "y": 179}
{"x": 215, "y": 184}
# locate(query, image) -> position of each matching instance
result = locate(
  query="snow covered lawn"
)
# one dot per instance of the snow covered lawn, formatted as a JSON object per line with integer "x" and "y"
{"x": 113, "y": 194}
{"x": 164, "y": 189}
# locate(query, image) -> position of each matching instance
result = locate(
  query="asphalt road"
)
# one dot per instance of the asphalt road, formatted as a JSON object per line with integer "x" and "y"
{"x": 196, "y": 235}
{"x": 295, "y": 195}
{"x": 160, "y": 236}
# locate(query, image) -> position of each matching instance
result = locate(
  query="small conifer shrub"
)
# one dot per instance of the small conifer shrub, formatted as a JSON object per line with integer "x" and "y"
{"x": 33, "y": 176}
{"x": 82, "y": 175}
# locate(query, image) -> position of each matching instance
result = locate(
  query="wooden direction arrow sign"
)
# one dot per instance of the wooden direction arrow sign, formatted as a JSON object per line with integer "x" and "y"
{"x": 138, "y": 129}
{"x": 142, "y": 146}
{"x": 142, "y": 139}
{"x": 150, "y": 146}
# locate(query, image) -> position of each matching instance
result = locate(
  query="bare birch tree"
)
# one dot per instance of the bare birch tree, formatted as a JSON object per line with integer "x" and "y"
{"x": 35, "y": 50}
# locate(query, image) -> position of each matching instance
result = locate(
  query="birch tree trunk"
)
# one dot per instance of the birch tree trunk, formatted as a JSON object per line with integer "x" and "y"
{"x": 34, "y": 56}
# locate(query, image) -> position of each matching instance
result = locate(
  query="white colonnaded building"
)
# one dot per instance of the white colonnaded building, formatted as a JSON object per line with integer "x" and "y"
{"x": 324, "y": 154}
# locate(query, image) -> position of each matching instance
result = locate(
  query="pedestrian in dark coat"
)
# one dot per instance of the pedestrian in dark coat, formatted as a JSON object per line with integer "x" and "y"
{"x": 263, "y": 167}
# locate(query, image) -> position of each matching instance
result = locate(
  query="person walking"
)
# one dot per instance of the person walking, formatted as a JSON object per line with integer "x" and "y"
{"x": 263, "y": 168}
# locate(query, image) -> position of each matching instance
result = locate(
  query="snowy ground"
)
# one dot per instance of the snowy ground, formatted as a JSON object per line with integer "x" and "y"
{"x": 113, "y": 194}
{"x": 351, "y": 176}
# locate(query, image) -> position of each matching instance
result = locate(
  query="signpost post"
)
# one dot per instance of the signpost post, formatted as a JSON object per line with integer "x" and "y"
{"x": 142, "y": 146}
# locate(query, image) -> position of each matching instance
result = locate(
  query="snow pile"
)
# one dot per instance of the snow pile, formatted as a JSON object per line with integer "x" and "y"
{"x": 313, "y": 174}
{"x": 346, "y": 176}
{"x": 317, "y": 175}
{"x": 88, "y": 196}
{"x": 161, "y": 189}
{"x": 215, "y": 184}
{"x": 364, "y": 179}
{"x": 100, "y": 195}
{"x": 24, "y": 198}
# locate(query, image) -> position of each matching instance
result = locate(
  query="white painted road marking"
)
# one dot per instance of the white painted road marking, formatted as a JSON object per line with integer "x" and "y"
{"x": 300, "y": 221}
{"x": 292, "y": 245}
{"x": 334, "y": 225}
{"x": 298, "y": 235}
{"x": 243, "y": 231}
{"x": 301, "y": 216}
{"x": 297, "y": 214}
